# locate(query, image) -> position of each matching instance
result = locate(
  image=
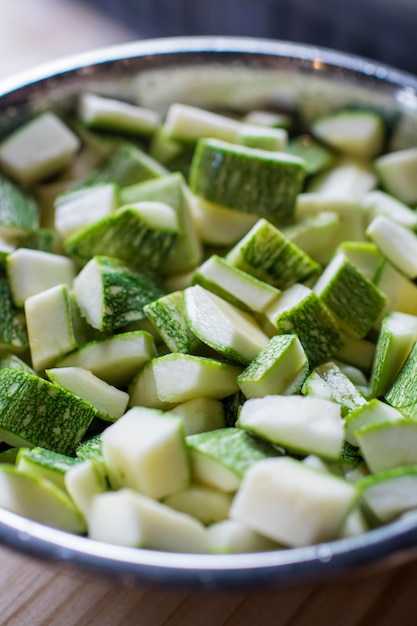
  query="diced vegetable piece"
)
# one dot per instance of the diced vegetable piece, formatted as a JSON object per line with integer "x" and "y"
{"x": 222, "y": 326}
{"x": 217, "y": 225}
{"x": 176, "y": 378}
{"x": 379, "y": 203}
{"x": 145, "y": 450}
{"x": 167, "y": 314}
{"x": 19, "y": 212}
{"x": 352, "y": 298}
{"x": 365, "y": 256}
{"x": 306, "y": 425}
{"x": 354, "y": 524}
{"x": 115, "y": 359}
{"x": 75, "y": 210}
{"x": 402, "y": 394}
{"x": 397, "y": 335}
{"x": 397, "y": 243}
{"x": 38, "y": 149}
{"x": 341, "y": 389}
{"x": 188, "y": 123}
{"x": 273, "y": 119}
{"x": 38, "y": 500}
{"x": 33, "y": 271}
{"x": 14, "y": 362}
{"x": 316, "y": 156}
{"x": 266, "y": 253}
{"x": 91, "y": 449}
{"x": 111, "y": 295}
{"x": 262, "y": 137}
{"x": 372, "y": 412}
{"x": 354, "y": 132}
{"x": 315, "y": 234}
{"x": 220, "y": 458}
{"x": 247, "y": 179}
{"x": 109, "y": 402}
{"x": 200, "y": 415}
{"x": 84, "y": 482}
{"x": 127, "y": 165}
{"x": 291, "y": 503}
{"x": 349, "y": 179}
{"x": 45, "y": 464}
{"x": 400, "y": 291}
{"x": 397, "y": 172}
{"x": 201, "y": 502}
{"x": 391, "y": 493}
{"x": 235, "y": 285}
{"x": 49, "y": 326}
{"x": 128, "y": 518}
{"x": 13, "y": 335}
{"x": 142, "y": 235}
{"x": 387, "y": 445}
{"x": 172, "y": 190}
{"x": 280, "y": 368}
{"x": 357, "y": 352}
{"x": 34, "y": 412}
{"x": 111, "y": 114}
{"x": 235, "y": 537}
{"x": 301, "y": 312}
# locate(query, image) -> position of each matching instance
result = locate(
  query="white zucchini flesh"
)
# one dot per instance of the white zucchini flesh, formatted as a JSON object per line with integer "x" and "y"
{"x": 380, "y": 203}
{"x": 75, "y": 210}
{"x": 291, "y": 503}
{"x": 358, "y": 133}
{"x": 84, "y": 482}
{"x": 33, "y": 271}
{"x": 217, "y": 225}
{"x": 109, "y": 401}
{"x": 201, "y": 502}
{"x": 388, "y": 445}
{"x": 188, "y": 123}
{"x": 373, "y": 412}
{"x": 223, "y": 326}
{"x": 397, "y": 172}
{"x": 38, "y": 149}
{"x": 38, "y": 500}
{"x": 397, "y": 243}
{"x": 49, "y": 326}
{"x": 200, "y": 415}
{"x": 349, "y": 179}
{"x": 234, "y": 537}
{"x": 181, "y": 377}
{"x": 305, "y": 424}
{"x": 128, "y": 518}
{"x": 390, "y": 494}
{"x": 116, "y": 359}
{"x": 145, "y": 450}
{"x": 108, "y": 113}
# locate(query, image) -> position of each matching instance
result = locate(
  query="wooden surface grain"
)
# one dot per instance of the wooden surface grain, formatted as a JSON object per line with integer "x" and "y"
{"x": 36, "y": 593}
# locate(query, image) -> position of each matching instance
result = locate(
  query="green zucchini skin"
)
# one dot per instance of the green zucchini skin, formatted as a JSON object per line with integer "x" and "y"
{"x": 247, "y": 179}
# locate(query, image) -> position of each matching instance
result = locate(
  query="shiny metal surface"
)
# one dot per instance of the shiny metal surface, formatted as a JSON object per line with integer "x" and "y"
{"x": 237, "y": 74}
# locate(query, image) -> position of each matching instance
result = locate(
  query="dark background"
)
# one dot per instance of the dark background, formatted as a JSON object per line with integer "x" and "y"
{"x": 382, "y": 30}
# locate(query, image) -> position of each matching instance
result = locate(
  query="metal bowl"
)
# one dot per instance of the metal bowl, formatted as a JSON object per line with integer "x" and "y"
{"x": 237, "y": 74}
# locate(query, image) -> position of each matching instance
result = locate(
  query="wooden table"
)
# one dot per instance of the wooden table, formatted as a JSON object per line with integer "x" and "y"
{"x": 35, "y": 593}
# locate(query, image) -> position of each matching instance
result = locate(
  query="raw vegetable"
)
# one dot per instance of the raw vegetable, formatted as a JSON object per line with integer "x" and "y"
{"x": 237, "y": 299}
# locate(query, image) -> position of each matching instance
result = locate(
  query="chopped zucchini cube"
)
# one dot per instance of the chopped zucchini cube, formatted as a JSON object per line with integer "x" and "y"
{"x": 247, "y": 179}
{"x": 145, "y": 450}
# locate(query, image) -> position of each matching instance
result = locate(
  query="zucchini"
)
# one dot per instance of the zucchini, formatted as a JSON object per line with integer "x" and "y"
{"x": 292, "y": 504}
{"x": 200, "y": 415}
{"x": 396, "y": 243}
{"x": 45, "y": 464}
{"x": 38, "y": 149}
{"x": 372, "y": 412}
{"x": 34, "y": 412}
{"x": 247, "y": 179}
{"x": 235, "y": 537}
{"x": 397, "y": 174}
{"x": 201, "y": 502}
{"x": 111, "y": 295}
{"x": 145, "y": 450}
{"x": 266, "y": 253}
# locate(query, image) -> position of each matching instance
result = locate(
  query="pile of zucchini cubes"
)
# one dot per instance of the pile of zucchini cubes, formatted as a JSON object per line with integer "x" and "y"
{"x": 208, "y": 326}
